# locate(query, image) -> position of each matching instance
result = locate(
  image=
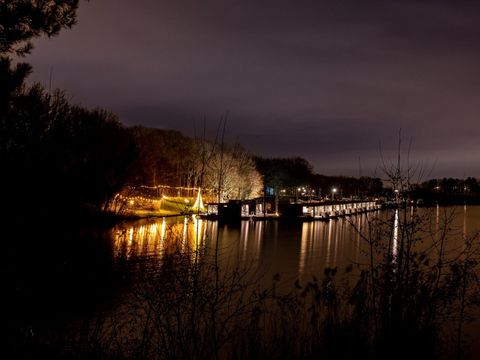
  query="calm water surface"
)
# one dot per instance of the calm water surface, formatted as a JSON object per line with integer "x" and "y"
{"x": 55, "y": 273}
{"x": 292, "y": 249}
{"x": 295, "y": 250}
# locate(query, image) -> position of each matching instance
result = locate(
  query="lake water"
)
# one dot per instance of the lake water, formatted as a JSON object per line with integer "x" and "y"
{"x": 52, "y": 275}
{"x": 295, "y": 250}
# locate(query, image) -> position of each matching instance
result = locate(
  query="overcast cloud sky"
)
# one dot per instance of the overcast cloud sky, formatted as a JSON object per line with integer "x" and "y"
{"x": 325, "y": 80}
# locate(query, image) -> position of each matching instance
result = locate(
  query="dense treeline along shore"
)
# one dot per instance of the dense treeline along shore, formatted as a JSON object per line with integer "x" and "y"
{"x": 69, "y": 172}
{"x": 61, "y": 157}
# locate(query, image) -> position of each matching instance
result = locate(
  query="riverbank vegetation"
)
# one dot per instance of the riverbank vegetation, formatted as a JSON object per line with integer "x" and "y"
{"x": 411, "y": 297}
{"x": 411, "y": 287}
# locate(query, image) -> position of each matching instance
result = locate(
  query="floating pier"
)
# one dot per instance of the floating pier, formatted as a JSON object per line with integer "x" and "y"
{"x": 235, "y": 211}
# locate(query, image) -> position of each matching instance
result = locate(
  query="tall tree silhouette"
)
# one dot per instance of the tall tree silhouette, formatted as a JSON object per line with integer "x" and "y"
{"x": 20, "y": 22}
{"x": 53, "y": 155}
{"x": 23, "y": 20}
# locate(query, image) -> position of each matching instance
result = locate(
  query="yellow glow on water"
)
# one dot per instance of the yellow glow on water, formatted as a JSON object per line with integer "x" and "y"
{"x": 153, "y": 228}
{"x": 184, "y": 233}
{"x": 303, "y": 249}
{"x": 141, "y": 232}
{"x": 198, "y": 232}
{"x": 293, "y": 250}
{"x": 155, "y": 239}
{"x": 329, "y": 242}
{"x": 162, "y": 234}
{"x": 130, "y": 236}
{"x": 245, "y": 232}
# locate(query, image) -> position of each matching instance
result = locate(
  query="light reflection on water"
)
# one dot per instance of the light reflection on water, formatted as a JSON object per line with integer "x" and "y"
{"x": 152, "y": 240}
{"x": 292, "y": 249}
{"x": 295, "y": 250}
{"x": 396, "y": 225}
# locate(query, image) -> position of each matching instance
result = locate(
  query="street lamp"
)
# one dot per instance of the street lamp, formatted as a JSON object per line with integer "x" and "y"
{"x": 334, "y": 190}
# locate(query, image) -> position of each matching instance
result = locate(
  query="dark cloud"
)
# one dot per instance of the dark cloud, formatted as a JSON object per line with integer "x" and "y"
{"x": 327, "y": 80}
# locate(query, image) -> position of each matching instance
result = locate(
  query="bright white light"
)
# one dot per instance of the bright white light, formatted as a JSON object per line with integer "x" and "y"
{"x": 396, "y": 226}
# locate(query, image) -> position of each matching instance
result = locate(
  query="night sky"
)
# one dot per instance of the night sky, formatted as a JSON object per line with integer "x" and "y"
{"x": 325, "y": 80}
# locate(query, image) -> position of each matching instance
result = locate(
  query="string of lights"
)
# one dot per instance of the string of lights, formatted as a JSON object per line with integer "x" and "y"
{"x": 169, "y": 187}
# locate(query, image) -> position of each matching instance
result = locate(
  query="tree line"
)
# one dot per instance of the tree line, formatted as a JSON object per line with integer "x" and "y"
{"x": 58, "y": 155}
{"x": 295, "y": 177}
{"x": 448, "y": 191}
{"x": 167, "y": 157}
